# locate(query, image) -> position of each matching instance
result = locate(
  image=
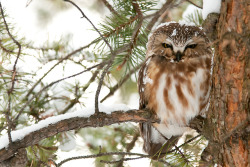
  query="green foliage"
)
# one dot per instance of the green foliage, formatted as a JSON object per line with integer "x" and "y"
{"x": 38, "y": 154}
{"x": 119, "y": 30}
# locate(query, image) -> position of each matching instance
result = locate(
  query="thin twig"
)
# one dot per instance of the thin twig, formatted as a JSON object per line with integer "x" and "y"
{"x": 121, "y": 160}
{"x": 28, "y": 3}
{"x": 113, "y": 89}
{"x": 107, "y": 4}
{"x": 7, "y": 114}
{"x": 74, "y": 101}
{"x": 135, "y": 33}
{"x": 51, "y": 161}
{"x": 100, "y": 155}
{"x": 194, "y": 4}
{"x": 140, "y": 156}
{"x": 117, "y": 29}
{"x": 111, "y": 153}
{"x": 129, "y": 147}
{"x": 52, "y": 83}
{"x": 110, "y": 60}
{"x": 190, "y": 140}
{"x": 5, "y": 49}
{"x": 37, "y": 158}
{"x": 60, "y": 61}
{"x": 158, "y": 14}
{"x": 182, "y": 155}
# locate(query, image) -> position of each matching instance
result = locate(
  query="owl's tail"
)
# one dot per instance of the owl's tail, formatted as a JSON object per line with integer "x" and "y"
{"x": 155, "y": 144}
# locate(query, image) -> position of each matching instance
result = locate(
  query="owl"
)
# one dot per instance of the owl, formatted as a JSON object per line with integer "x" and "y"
{"x": 174, "y": 83}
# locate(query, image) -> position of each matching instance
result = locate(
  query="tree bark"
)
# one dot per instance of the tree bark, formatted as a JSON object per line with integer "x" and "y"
{"x": 227, "y": 125}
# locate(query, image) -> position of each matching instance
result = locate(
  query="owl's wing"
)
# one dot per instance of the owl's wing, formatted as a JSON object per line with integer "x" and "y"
{"x": 145, "y": 128}
{"x": 141, "y": 85}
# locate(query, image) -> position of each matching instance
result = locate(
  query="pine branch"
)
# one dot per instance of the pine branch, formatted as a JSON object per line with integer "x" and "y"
{"x": 134, "y": 34}
{"x": 97, "y": 120}
{"x": 117, "y": 29}
{"x": 9, "y": 92}
{"x": 4, "y": 48}
{"x": 37, "y": 158}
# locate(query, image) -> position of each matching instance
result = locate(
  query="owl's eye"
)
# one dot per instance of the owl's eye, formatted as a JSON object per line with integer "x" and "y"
{"x": 191, "y": 46}
{"x": 165, "y": 45}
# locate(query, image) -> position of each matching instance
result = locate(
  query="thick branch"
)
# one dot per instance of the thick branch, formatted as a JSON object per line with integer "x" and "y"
{"x": 96, "y": 120}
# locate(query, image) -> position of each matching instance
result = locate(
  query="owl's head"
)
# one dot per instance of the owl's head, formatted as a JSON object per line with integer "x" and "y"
{"x": 178, "y": 42}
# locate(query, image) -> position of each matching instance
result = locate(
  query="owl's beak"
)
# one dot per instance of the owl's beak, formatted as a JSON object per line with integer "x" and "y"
{"x": 178, "y": 56}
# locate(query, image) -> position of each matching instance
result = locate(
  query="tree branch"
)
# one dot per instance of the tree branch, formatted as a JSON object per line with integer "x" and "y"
{"x": 139, "y": 156}
{"x": 134, "y": 34}
{"x": 9, "y": 92}
{"x": 108, "y": 64}
{"x": 120, "y": 83}
{"x": 129, "y": 147}
{"x": 107, "y": 4}
{"x": 97, "y": 120}
{"x": 194, "y": 4}
{"x": 158, "y": 14}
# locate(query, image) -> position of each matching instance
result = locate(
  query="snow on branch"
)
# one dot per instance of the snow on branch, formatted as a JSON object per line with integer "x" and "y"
{"x": 51, "y": 126}
{"x": 210, "y": 6}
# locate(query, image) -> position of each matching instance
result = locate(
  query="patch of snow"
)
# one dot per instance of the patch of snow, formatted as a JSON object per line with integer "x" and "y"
{"x": 68, "y": 142}
{"x": 190, "y": 10}
{"x": 115, "y": 107}
{"x": 210, "y": 6}
{"x": 21, "y": 133}
{"x": 164, "y": 24}
{"x": 182, "y": 22}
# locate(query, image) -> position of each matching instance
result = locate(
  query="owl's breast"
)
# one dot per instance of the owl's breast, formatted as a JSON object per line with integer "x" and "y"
{"x": 176, "y": 96}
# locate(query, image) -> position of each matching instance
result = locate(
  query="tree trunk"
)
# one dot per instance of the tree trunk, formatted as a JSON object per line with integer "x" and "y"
{"x": 227, "y": 126}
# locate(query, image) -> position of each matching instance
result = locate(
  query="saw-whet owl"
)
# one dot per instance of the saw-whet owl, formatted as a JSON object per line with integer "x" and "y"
{"x": 174, "y": 83}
